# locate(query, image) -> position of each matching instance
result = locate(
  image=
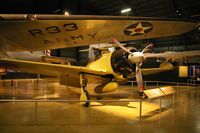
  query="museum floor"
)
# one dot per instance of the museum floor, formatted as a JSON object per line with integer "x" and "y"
{"x": 101, "y": 117}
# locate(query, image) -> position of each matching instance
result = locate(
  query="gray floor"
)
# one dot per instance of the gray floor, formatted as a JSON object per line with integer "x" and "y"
{"x": 106, "y": 117}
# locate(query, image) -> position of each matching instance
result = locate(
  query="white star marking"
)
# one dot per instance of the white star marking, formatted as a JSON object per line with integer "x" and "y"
{"x": 139, "y": 26}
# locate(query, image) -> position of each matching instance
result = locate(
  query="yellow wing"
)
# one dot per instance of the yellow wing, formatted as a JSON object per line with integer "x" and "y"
{"x": 173, "y": 55}
{"x": 59, "y": 70}
{"x": 47, "y": 68}
{"x": 149, "y": 71}
{"x": 38, "y": 32}
{"x": 164, "y": 66}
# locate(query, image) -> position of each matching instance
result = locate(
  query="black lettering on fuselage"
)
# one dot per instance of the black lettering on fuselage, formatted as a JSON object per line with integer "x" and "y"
{"x": 92, "y": 35}
{"x": 35, "y": 32}
{"x": 53, "y": 29}
{"x": 70, "y": 27}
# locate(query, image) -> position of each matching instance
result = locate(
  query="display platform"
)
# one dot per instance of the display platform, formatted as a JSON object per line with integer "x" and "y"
{"x": 100, "y": 117}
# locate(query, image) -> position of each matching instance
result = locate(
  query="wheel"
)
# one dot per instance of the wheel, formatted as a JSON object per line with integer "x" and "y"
{"x": 142, "y": 95}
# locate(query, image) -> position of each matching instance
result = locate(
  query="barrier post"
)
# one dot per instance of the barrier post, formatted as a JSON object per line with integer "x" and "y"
{"x": 173, "y": 102}
{"x": 88, "y": 115}
{"x": 15, "y": 83}
{"x": 4, "y": 84}
{"x": 160, "y": 105}
{"x": 177, "y": 88}
{"x": 140, "y": 112}
{"x": 132, "y": 83}
{"x": 12, "y": 82}
{"x": 36, "y": 113}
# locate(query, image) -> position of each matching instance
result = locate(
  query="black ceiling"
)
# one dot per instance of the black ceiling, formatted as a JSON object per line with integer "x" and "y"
{"x": 154, "y": 8}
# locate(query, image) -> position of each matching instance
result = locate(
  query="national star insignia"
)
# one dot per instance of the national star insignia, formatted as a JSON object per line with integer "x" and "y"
{"x": 138, "y": 29}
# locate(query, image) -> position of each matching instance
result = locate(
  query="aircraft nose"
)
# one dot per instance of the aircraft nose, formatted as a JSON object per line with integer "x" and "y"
{"x": 140, "y": 55}
{"x": 136, "y": 57}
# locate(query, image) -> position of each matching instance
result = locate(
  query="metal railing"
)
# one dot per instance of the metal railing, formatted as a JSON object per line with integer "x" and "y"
{"x": 159, "y": 83}
{"x": 36, "y": 102}
{"x": 193, "y": 82}
{"x": 190, "y": 82}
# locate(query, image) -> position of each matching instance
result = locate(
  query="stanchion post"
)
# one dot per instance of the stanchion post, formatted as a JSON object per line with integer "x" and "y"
{"x": 160, "y": 105}
{"x": 88, "y": 116}
{"x": 188, "y": 82}
{"x": 132, "y": 83}
{"x": 176, "y": 88}
{"x": 38, "y": 77}
{"x": 36, "y": 113}
{"x": 4, "y": 82}
{"x": 12, "y": 82}
{"x": 132, "y": 92}
{"x": 15, "y": 83}
{"x": 173, "y": 102}
{"x": 140, "y": 112}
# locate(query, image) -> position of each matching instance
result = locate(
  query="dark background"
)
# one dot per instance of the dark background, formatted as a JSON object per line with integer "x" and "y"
{"x": 185, "y": 9}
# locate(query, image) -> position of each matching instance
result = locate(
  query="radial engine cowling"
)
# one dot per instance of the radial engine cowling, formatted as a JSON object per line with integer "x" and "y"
{"x": 109, "y": 87}
{"x": 121, "y": 64}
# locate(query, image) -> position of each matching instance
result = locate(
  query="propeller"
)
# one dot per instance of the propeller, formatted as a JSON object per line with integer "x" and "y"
{"x": 136, "y": 58}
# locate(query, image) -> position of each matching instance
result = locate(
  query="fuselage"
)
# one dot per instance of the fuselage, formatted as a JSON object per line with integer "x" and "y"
{"x": 115, "y": 63}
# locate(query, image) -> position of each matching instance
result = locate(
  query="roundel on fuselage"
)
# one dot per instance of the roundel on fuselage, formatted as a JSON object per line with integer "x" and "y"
{"x": 139, "y": 28}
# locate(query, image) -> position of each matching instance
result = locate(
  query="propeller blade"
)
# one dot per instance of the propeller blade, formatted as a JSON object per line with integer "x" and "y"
{"x": 139, "y": 79}
{"x": 147, "y": 48}
{"x": 120, "y": 45}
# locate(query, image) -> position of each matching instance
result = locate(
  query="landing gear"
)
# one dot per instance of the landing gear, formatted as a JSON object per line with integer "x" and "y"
{"x": 84, "y": 93}
{"x": 142, "y": 95}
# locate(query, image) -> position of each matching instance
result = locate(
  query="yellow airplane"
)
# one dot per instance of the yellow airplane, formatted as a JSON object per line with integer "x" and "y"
{"x": 40, "y": 32}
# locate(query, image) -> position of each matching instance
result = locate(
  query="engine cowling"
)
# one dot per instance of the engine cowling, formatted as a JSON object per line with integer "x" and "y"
{"x": 109, "y": 87}
{"x": 121, "y": 64}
